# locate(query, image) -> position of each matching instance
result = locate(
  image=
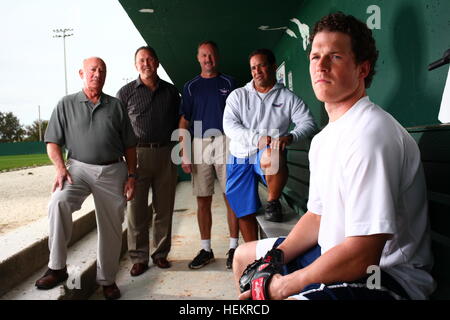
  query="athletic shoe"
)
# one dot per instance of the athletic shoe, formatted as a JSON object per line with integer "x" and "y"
{"x": 202, "y": 259}
{"x": 273, "y": 211}
{"x": 230, "y": 255}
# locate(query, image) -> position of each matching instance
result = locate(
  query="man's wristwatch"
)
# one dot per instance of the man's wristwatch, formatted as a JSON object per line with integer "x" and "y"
{"x": 133, "y": 175}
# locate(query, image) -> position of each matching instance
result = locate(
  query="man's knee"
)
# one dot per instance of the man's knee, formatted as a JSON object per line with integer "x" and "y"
{"x": 204, "y": 203}
{"x": 62, "y": 201}
{"x": 244, "y": 254}
{"x": 272, "y": 162}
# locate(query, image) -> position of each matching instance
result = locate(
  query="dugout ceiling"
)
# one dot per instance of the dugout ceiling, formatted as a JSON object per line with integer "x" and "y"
{"x": 175, "y": 27}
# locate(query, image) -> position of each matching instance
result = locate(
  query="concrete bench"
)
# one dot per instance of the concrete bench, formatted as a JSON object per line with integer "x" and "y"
{"x": 434, "y": 144}
{"x": 268, "y": 229}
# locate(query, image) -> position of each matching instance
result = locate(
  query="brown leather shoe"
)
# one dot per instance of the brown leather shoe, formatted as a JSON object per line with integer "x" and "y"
{"x": 111, "y": 292}
{"x": 138, "y": 269}
{"x": 162, "y": 263}
{"x": 52, "y": 278}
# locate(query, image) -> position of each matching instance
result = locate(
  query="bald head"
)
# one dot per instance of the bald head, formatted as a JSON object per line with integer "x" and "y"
{"x": 93, "y": 73}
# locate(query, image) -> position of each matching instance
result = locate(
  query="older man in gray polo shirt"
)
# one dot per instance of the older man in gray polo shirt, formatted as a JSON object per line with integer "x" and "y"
{"x": 95, "y": 129}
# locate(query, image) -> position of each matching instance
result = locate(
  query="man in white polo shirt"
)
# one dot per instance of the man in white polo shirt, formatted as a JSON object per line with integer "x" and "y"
{"x": 367, "y": 207}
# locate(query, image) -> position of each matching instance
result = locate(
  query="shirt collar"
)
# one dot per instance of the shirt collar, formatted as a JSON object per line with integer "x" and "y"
{"x": 140, "y": 83}
{"x": 81, "y": 96}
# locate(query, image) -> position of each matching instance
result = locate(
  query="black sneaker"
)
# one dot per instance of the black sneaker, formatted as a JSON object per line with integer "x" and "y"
{"x": 202, "y": 259}
{"x": 230, "y": 255}
{"x": 273, "y": 211}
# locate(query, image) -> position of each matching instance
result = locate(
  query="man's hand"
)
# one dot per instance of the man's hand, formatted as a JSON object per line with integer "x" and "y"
{"x": 281, "y": 142}
{"x": 264, "y": 141}
{"x": 62, "y": 174}
{"x": 274, "y": 289}
{"x": 128, "y": 190}
{"x": 258, "y": 275}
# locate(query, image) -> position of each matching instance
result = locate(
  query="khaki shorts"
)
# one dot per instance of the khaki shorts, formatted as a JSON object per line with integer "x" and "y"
{"x": 209, "y": 162}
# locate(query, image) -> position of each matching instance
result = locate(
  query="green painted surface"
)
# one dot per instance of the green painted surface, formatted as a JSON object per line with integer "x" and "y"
{"x": 177, "y": 26}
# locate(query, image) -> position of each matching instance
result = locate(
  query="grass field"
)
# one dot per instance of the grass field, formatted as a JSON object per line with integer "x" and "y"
{"x": 21, "y": 161}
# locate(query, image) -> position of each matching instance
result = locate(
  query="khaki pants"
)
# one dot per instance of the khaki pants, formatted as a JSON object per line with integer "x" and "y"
{"x": 156, "y": 171}
{"x": 106, "y": 184}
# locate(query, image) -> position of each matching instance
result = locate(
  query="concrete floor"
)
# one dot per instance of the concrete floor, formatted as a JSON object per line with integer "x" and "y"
{"x": 212, "y": 282}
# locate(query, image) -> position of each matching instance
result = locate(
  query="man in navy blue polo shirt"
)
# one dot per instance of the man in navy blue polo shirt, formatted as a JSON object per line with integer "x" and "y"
{"x": 202, "y": 113}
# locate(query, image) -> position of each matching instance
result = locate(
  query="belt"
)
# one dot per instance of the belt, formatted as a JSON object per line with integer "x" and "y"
{"x": 152, "y": 145}
{"x": 106, "y": 163}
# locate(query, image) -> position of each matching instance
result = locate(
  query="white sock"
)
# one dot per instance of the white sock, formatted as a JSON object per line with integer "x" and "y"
{"x": 234, "y": 243}
{"x": 206, "y": 245}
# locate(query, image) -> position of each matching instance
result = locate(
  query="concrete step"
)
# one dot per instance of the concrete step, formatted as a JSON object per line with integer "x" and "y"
{"x": 212, "y": 282}
{"x": 81, "y": 266}
{"x": 24, "y": 251}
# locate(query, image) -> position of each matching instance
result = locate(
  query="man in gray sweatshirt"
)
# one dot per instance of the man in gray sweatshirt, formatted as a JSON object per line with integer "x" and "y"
{"x": 257, "y": 119}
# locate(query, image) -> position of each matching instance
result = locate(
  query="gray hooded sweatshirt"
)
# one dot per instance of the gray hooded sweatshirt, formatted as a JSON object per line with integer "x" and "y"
{"x": 248, "y": 116}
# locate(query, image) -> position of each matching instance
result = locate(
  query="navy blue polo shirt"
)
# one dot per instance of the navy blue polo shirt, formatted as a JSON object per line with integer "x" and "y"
{"x": 204, "y": 100}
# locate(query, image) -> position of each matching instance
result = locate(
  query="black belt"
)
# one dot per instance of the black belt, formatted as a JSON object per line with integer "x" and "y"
{"x": 152, "y": 145}
{"x": 107, "y": 163}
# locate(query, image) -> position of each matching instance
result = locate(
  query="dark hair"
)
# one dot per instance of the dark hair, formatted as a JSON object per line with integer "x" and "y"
{"x": 211, "y": 43}
{"x": 149, "y": 49}
{"x": 265, "y": 52}
{"x": 363, "y": 43}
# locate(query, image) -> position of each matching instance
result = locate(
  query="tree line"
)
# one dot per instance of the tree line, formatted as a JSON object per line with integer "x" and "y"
{"x": 12, "y": 131}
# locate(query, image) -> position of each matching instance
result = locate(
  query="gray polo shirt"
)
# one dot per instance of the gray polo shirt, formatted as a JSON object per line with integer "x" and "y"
{"x": 91, "y": 133}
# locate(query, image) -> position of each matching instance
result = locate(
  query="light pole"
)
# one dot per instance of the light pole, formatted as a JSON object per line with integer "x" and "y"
{"x": 39, "y": 123}
{"x": 127, "y": 80}
{"x": 63, "y": 33}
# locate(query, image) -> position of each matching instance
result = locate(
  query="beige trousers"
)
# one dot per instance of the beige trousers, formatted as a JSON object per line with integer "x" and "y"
{"x": 156, "y": 171}
{"x": 106, "y": 184}
{"x": 209, "y": 163}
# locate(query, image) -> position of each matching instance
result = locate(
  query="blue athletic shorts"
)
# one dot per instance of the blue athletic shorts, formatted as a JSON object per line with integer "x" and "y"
{"x": 390, "y": 289}
{"x": 242, "y": 183}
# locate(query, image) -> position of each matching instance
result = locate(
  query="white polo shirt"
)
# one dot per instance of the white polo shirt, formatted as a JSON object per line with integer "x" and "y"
{"x": 367, "y": 178}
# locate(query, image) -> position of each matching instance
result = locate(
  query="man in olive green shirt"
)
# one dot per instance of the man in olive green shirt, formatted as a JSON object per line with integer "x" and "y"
{"x": 95, "y": 129}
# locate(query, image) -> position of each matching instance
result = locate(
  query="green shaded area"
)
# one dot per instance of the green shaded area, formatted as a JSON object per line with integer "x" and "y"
{"x": 21, "y": 161}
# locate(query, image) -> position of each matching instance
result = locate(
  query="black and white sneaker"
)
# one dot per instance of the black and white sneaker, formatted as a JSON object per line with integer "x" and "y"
{"x": 273, "y": 211}
{"x": 230, "y": 255}
{"x": 202, "y": 259}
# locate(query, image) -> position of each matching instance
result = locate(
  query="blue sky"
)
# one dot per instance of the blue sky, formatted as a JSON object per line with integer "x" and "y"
{"x": 31, "y": 60}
